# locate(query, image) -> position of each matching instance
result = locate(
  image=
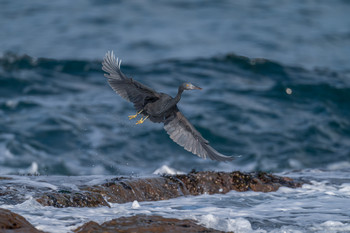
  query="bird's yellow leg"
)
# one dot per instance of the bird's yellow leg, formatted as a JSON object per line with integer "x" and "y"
{"x": 142, "y": 120}
{"x": 134, "y": 116}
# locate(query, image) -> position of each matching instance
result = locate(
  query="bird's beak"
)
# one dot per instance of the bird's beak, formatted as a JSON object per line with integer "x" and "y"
{"x": 197, "y": 88}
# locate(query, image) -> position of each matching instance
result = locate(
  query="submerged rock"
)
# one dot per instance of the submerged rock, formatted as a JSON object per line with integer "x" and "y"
{"x": 12, "y": 222}
{"x": 121, "y": 190}
{"x": 143, "y": 223}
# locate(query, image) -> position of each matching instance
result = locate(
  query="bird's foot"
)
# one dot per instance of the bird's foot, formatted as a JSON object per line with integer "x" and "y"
{"x": 141, "y": 120}
{"x": 134, "y": 116}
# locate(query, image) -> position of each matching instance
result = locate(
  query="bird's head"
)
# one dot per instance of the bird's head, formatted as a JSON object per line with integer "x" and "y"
{"x": 190, "y": 86}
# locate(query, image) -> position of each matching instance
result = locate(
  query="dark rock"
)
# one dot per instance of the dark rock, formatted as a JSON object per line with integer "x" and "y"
{"x": 61, "y": 200}
{"x": 214, "y": 182}
{"x": 263, "y": 182}
{"x": 12, "y": 222}
{"x": 194, "y": 183}
{"x": 142, "y": 189}
{"x": 128, "y": 189}
{"x": 143, "y": 223}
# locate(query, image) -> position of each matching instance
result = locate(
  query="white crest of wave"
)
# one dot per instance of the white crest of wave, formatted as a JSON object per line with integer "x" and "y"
{"x": 167, "y": 170}
{"x": 239, "y": 224}
{"x": 135, "y": 205}
{"x": 33, "y": 169}
{"x": 331, "y": 226}
{"x": 339, "y": 166}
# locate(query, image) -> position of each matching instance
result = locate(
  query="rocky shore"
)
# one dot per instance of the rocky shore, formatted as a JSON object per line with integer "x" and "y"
{"x": 12, "y": 222}
{"x": 143, "y": 223}
{"x": 128, "y": 189}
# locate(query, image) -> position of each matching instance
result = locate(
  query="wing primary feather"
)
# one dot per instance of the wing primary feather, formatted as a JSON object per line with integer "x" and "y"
{"x": 129, "y": 89}
{"x": 111, "y": 66}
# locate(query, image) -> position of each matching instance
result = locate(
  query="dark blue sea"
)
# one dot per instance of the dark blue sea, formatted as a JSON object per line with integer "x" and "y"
{"x": 276, "y": 94}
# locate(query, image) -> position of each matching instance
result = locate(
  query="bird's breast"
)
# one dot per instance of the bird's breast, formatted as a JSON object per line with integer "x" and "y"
{"x": 159, "y": 108}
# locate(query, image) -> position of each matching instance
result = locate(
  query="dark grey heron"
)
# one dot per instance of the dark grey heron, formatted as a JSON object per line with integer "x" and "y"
{"x": 160, "y": 107}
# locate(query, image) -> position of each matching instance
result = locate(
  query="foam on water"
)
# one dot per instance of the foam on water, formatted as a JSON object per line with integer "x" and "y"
{"x": 316, "y": 207}
{"x": 135, "y": 205}
{"x": 167, "y": 170}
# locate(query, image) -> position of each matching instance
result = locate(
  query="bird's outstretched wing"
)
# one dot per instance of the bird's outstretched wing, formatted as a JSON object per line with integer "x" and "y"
{"x": 127, "y": 88}
{"x": 183, "y": 133}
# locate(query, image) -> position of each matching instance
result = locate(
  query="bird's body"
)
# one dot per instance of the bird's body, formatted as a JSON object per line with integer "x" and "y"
{"x": 160, "y": 108}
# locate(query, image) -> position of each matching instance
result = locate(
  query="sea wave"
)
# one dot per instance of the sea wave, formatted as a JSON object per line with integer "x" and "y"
{"x": 61, "y": 115}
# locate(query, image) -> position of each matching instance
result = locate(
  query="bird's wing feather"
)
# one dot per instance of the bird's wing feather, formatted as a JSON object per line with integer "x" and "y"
{"x": 127, "y": 88}
{"x": 183, "y": 133}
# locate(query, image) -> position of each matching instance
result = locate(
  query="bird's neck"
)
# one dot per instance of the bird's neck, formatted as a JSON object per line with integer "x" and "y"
{"x": 178, "y": 96}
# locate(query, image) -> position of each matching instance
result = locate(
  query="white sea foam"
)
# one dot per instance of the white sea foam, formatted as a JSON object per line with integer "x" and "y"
{"x": 135, "y": 205}
{"x": 208, "y": 220}
{"x": 345, "y": 189}
{"x": 27, "y": 181}
{"x": 33, "y": 169}
{"x": 232, "y": 224}
{"x": 167, "y": 170}
{"x": 339, "y": 165}
{"x": 331, "y": 227}
{"x": 321, "y": 206}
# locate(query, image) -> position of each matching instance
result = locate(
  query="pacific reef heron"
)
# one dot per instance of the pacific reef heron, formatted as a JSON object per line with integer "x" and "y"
{"x": 160, "y": 108}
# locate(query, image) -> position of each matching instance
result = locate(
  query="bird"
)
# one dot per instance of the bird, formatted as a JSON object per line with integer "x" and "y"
{"x": 159, "y": 108}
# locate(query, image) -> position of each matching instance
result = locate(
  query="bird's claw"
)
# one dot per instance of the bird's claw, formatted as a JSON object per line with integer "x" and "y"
{"x": 141, "y": 120}
{"x": 132, "y": 116}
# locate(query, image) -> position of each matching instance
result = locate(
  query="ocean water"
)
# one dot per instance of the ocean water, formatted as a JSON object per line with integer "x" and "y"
{"x": 276, "y": 93}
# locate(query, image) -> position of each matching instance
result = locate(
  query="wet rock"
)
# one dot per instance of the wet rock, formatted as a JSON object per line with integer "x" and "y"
{"x": 263, "y": 182}
{"x": 123, "y": 190}
{"x": 128, "y": 189}
{"x": 214, "y": 182}
{"x": 61, "y": 200}
{"x": 143, "y": 223}
{"x": 141, "y": 189}
{"x": 12, "y": 222}
{"x": 11, "y": 196}
{"x": 223, "y": 182}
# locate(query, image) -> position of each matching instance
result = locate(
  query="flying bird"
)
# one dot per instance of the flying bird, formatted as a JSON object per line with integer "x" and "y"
{"x": 160, "y": 108}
